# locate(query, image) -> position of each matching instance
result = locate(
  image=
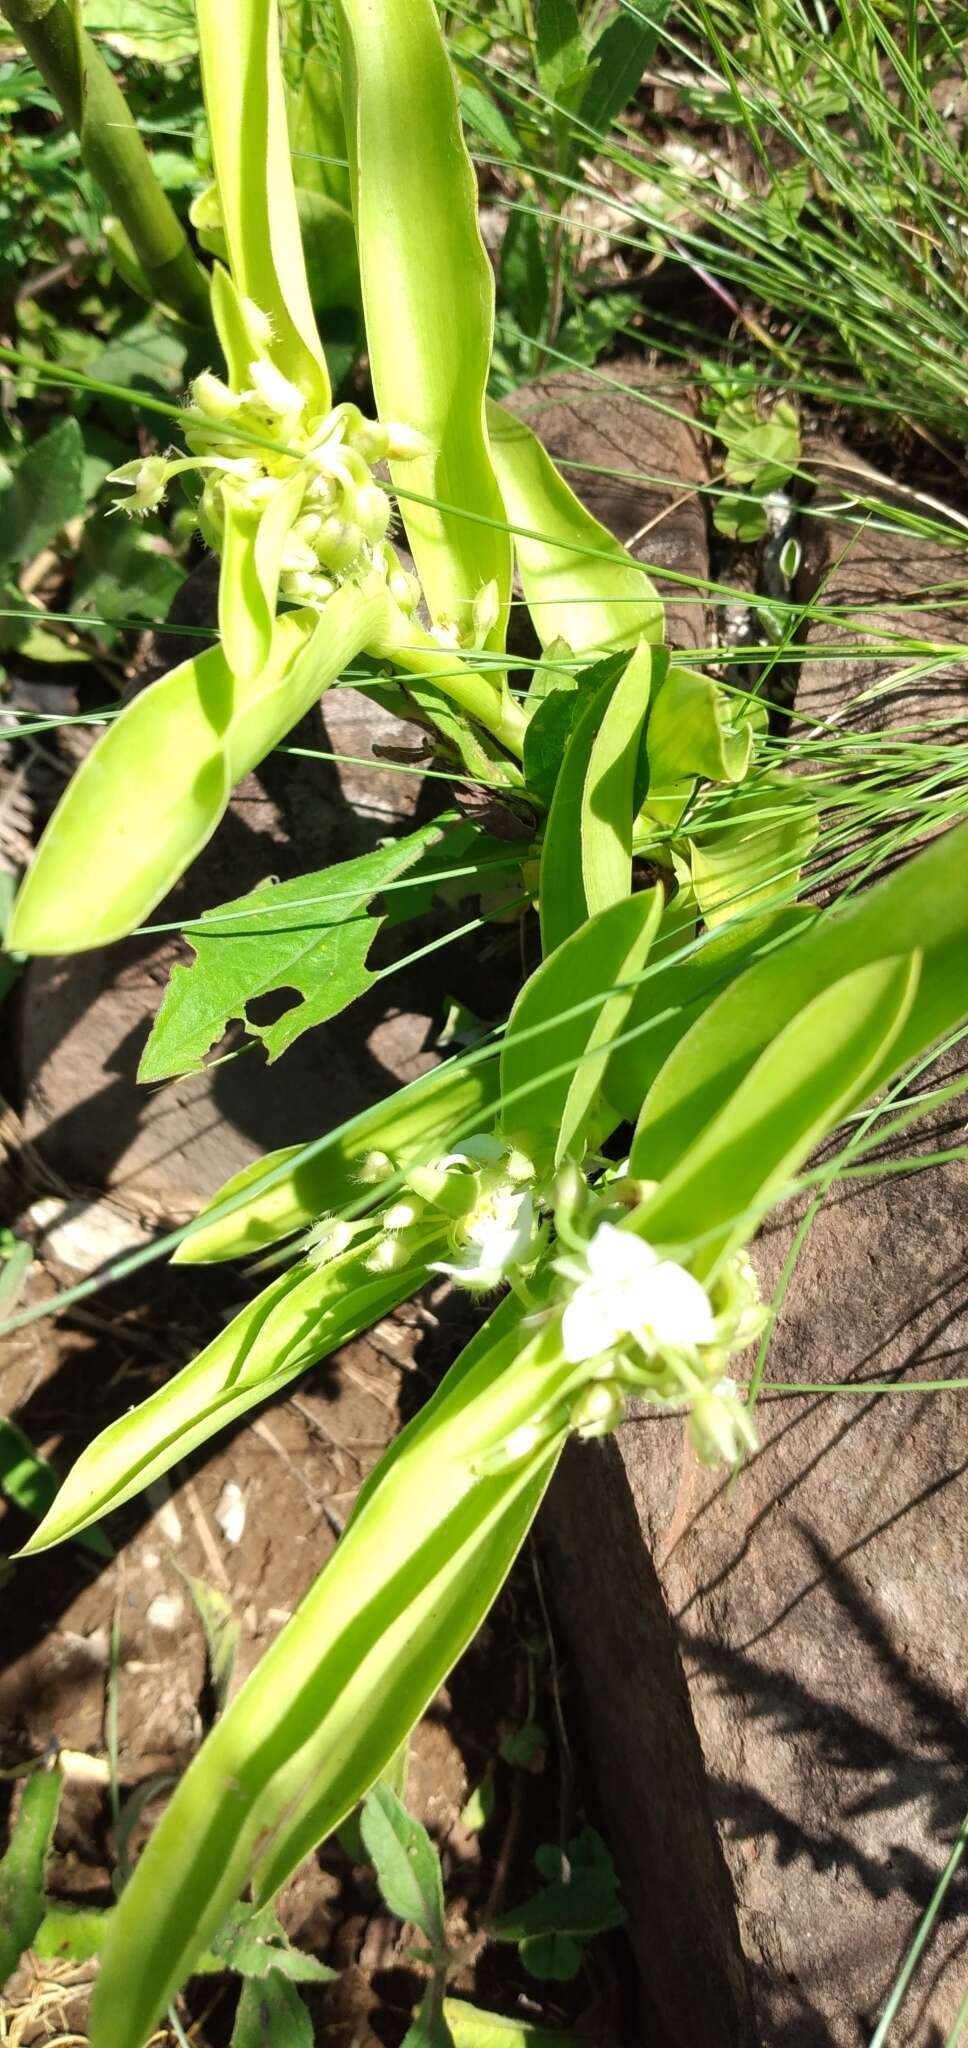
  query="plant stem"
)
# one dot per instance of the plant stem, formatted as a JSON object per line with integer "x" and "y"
{"x": 112, "y": 149}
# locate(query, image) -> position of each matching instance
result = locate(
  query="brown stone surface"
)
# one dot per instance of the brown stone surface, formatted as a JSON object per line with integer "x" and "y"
{"x": 612, "y": 419}
{"x": 888, "y": 586}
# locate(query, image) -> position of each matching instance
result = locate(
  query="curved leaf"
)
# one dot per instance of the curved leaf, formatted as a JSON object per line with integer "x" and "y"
{"x": 804, "y": 1081}
{"x": 586, "y": 860}
{"x": 291, "y": 1325}
{"x": 245, "y": 105}
{"x": 428, "y": 294}
{"x": 321, "y": 1716}
{"x": 451, "y": 1101}
{"x": 922, "y": 907}
{"x": 150, "y": 793}
{"x": 558, "y": 1039}
{"x": 580, "y": 584}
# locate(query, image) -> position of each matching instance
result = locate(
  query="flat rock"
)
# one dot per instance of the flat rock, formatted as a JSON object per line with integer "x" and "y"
{"x": 772, "y": 1669}
{"x": 624, "y": 421}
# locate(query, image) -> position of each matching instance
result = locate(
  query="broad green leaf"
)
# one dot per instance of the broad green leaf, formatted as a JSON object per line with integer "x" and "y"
{"x": 149, "y": 795}
{"x": 695, "y": 729}
{"x": 817, "y": 1068}
{"x": 666, "y": 1003}
{"x": 245, "y": 105}
{"x": 740, "y": 517}
{"x": 339, "y": 1689}
{"x": 122, "y": 573}
{"x": 552, "y": 1958}
{"x": 549, "y": 730}
{"x": 554, "y": 1061}
{"x": 754, "y": 861}
{"x": 482, "y": 113}
{"x": 428, "y": 294}
{"x": 312, "y": 934}
{"x": 406, "y": 1863}
{"x": 624, "y": 50}
{"x": 580, "y": 584}
{"x": 759, "y": 452}
{"x": 474, "y": 2029}
{"x": 22, "y": 1868}
{"x": 293, "y": 1324}
{"x": 31, "y": 1482}
{"x": 561, "y": 52}
{"x": 586, "y": 860}
{"x": 452, "y": 1100}
{"x": 271, "y": 2014}
{"x": 923, "y": 906}
{"x": 46, "y": 490}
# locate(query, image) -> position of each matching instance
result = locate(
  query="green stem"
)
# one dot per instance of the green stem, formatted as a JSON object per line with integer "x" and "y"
{"x": 489, "y": 702}
{"x": 112, "y": 149}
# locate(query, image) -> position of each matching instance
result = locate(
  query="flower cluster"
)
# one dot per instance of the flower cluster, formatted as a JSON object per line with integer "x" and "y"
{"x": 303, "y": 479}
{"x": 646, "y": 1325}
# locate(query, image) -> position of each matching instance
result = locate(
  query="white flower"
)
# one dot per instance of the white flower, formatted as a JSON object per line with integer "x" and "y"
{"x": 628, "y": 1291}
{"x": 496, "y": 1233}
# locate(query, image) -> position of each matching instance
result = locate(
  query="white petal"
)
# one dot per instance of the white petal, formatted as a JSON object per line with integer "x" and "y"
{"x": 588, "y": 1325}
{"x": 618, "y": 1256}
{"x": 674, "y": 1308}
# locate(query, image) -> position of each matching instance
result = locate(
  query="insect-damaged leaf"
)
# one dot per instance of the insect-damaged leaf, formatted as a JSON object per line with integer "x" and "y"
{"x": 312, "y": 935}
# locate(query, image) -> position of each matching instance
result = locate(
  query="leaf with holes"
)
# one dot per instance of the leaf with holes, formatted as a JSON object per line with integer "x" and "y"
{"x": 312, "y": 935}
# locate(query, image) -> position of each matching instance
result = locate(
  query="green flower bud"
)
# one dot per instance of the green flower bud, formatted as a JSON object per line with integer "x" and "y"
{"x": 213, "y": 397}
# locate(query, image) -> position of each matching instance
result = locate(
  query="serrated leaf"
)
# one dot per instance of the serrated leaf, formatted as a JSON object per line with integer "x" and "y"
{"x": 22, "y": 1868}
{"x": 312, "y": 934}
{"x": 46, "y": 490}
{"x": 252, "y": 1942}
{"x": 406, "y": 1863}
{"x": 271, "y": 2014}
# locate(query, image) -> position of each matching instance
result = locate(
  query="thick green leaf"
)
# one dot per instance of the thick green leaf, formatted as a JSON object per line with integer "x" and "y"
{"x": 312, "y": 934}
{"x": 406, "y": 1863}
{"x": 271, "y": 2014}
{"x": 151, "y": 792}
{"x": 684, "y": 978}
{"x": 245, "y": 105}
{"x": 450, "y": 1102}
{"x": 923, "y": 906}
{"x": 291, "y": 1325}
{"x": 22, "y": 1868}
{"x": 753, "y": 854}
{"x": 474, "y": 2029}
{"x": 342, "y": 1685}
{"x": 45, "y": 491}
{"x": 428, "y": 294}
{"x": 817, "y": 1067}
{"x": 586, "y": 860}
{"x": 556, "y": 1048}
{"x": 695, "y": 729}
{"x": 580, "y": 584}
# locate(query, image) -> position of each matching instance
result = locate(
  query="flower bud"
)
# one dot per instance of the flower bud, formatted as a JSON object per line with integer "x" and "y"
{"x": 275, "y": 390}
{"x": 597, "y": 1409}
{"x": 403, "y": 443}
{"x": 213, "y": 397}
{"x": 338, "y": 543}
{"x": 257, "y": 324}
{"x": 374, "y": 1168}
{"x": 373, "y": 511}
{"x": 402, "y": 1214}
{"x": 389, "y": 1255}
